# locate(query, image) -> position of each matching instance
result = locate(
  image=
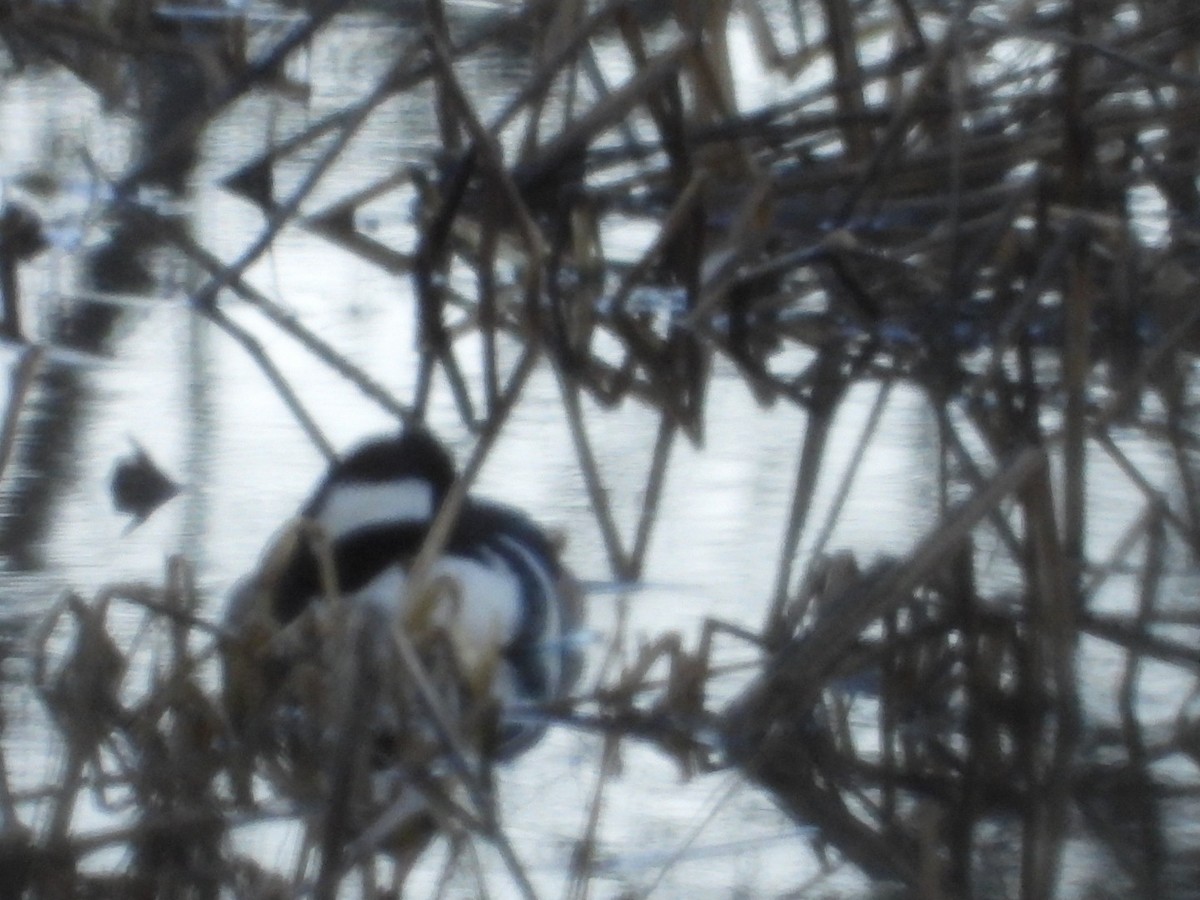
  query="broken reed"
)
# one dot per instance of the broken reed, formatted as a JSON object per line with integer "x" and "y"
{"x": 991, "y": 204}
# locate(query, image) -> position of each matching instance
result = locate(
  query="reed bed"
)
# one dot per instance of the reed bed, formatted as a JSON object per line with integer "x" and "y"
{"x": 993, "y": 203}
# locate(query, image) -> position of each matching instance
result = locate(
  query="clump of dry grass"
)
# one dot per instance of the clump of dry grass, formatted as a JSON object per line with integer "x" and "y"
{"x": 139, "y": 734}
{"x": 329, "y": 724}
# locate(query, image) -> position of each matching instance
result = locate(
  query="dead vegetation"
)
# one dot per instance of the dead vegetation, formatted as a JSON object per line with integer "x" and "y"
{"x": 992, "y": 202}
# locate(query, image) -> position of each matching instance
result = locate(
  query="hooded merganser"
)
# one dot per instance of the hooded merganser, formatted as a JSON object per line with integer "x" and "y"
{"x": 514, "y": 610}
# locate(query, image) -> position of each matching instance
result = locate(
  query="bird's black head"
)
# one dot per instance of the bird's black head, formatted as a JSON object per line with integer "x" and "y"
{"x": 400, "y": 478}
{"x": 412, "y": 454}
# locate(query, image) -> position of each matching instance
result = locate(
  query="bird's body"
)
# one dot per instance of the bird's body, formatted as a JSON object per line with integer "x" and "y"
{"x": 499, "y": 593}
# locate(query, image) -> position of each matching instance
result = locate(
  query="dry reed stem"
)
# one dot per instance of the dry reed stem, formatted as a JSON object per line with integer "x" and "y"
{"x": 289, "y": 323}
{"x": 812, "y": 451}
{"x": 24, "y": 373}
{"x": 254, "y": 349}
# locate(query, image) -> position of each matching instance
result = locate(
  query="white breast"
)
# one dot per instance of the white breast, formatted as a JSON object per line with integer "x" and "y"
{"x": 478, "y": 605}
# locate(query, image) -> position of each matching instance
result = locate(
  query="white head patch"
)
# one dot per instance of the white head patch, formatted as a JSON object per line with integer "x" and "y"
{"x": 352, "y": 505}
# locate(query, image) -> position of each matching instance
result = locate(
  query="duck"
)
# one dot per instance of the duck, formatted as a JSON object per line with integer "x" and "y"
{"x": 507, "y": 606}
